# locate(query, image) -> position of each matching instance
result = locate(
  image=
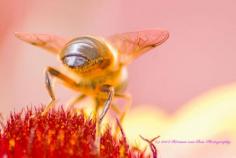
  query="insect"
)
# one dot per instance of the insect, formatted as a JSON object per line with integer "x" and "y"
{"x": 99, "y": 64}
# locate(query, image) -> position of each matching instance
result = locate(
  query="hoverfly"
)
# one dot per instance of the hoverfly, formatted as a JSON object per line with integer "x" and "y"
{"x": 99, "y": 63}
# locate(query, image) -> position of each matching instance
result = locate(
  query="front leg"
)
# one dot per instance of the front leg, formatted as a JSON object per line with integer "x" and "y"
{"x": 104, "y": 94}
{"x": 51, "y": 73}
{"x": 108, "y": 92}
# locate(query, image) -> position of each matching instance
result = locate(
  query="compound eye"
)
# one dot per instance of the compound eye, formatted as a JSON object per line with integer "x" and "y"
{"x": 80, "y": 52}
{"x": 76, "y": 60}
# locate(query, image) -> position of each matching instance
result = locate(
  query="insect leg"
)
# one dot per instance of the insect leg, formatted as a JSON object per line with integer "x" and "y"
{"x": 51, "y": 73}
{"x": 108, "y": 92}
{"x": 115, "y": 109}
{"x": 121, "y": 114}
{"x": 72, "y": 102}
{"x": 48, "y": 83}
{"x": 128, "y": 99}
{"x": 99, "y": 103}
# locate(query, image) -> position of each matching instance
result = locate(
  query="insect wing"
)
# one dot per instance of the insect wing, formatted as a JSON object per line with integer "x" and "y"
{"x": 133, "y": 44}
{"x": 52, "y": 43}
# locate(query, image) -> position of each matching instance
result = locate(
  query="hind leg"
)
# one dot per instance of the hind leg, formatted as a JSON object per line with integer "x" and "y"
{"x": 119, "y": 112}
{"x": 128, "y": 100}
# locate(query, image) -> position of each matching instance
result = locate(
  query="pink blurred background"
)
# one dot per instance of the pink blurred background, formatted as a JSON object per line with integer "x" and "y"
{"x": 199, "y": 55}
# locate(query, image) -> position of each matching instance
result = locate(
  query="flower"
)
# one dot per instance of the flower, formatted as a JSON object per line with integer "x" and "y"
{"x": 61, "y": 133}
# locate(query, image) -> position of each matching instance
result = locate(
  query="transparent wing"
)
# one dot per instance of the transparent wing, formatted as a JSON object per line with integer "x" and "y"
{"x": 133, "y": 44}
{"x": 52, "y": 43}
